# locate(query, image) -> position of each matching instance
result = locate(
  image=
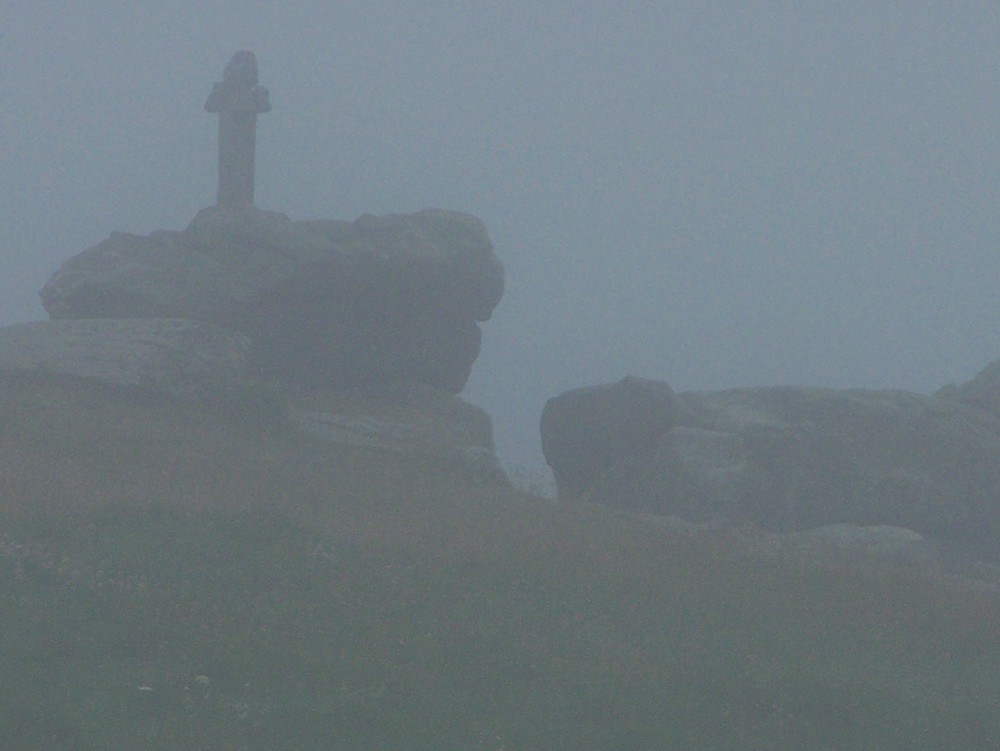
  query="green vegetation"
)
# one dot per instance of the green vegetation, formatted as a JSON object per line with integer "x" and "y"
{"x": 171, "y": 579}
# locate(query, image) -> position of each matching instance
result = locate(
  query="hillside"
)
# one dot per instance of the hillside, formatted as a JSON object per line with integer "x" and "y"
{"x": 192, "y": 573}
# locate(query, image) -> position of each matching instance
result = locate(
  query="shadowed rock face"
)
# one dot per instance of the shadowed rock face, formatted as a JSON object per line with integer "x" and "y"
{"x": 590, "y": 431}
{"x": 982, "y": 392}
{"x": 324, "y": 303}
{"x": 784, "y": 458}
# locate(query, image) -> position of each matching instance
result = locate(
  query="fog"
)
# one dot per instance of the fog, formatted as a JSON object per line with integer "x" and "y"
{"x": 714, "y": 195}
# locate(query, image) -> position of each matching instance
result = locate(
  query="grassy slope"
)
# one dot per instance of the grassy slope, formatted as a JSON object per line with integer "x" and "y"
{"x": 347, "y": 600}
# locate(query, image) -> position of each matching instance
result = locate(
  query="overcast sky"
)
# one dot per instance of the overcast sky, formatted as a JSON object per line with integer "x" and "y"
{"x": 711, "y": 194}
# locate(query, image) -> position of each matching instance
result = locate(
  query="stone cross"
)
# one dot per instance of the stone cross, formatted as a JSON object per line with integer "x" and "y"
{"x": 238, "y": 100}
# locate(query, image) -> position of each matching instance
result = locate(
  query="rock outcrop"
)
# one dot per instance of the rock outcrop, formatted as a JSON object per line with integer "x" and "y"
{"x": 587, "y": 432}
{"x": 982, "y": 392}
{"x": 167, "y": 355}
{"x": 785, "y": 458}
{"x": 209, "y": 367}
{"x": 351, "y": 334}
{"x": 324, "y": 303}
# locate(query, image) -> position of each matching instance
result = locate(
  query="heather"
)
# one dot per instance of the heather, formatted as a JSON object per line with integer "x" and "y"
{"x": 192, "y": 574}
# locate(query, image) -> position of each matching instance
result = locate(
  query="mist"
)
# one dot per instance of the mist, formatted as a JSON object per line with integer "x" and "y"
{"x": 746, "y": 194}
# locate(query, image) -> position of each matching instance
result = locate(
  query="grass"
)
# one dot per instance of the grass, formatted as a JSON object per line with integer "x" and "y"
{"x": 182, "y": 576}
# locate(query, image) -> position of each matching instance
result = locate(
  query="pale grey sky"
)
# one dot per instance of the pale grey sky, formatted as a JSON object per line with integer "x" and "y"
{"x": 711, "y": 194}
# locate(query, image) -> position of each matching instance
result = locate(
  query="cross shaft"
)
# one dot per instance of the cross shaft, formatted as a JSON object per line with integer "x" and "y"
{"x": 238, "y": 99}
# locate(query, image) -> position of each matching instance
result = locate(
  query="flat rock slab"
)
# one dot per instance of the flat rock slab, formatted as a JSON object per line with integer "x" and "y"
{"x": 162, "y": 354}
{"x": 187, "y": 359}
{"x": 877, "y": 541}
{"x": 402, "y": 418}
